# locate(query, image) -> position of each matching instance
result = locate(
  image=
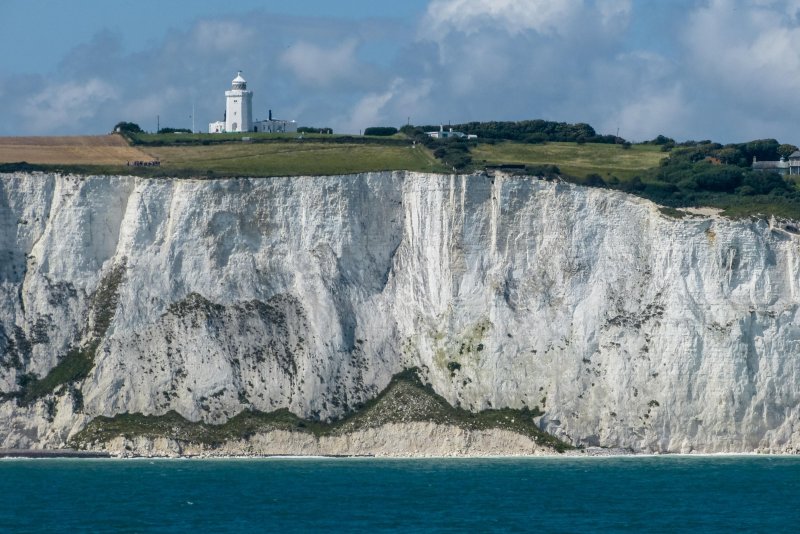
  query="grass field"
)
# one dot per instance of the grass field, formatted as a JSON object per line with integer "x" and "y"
{"x": 572, "y": 158}
{"x": 270, "y": 155}
{"x": 257, "y": 137}
{"x": 315, "y": 154}
{"x": 71, "y": 150}
{"x": 292, "y": 158}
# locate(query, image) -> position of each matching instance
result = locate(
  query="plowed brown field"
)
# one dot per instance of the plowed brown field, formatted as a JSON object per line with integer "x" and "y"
{"x": 70, "y": 150}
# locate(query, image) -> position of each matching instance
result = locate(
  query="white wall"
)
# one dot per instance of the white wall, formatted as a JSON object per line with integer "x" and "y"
{"x": 239, "y": 110}
{"x": 275, "y": 126}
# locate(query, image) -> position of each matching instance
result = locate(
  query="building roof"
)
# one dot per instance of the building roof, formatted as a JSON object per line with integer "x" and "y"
{"x": 770, "y": 165}
{"x": 795, "y": 154}
{"x": 239, "y": 82}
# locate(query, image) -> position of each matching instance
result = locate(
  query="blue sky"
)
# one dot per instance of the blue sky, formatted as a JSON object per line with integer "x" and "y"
{"x": 727, "y": 70}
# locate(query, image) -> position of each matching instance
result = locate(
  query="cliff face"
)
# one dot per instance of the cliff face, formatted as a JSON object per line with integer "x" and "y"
{"x": 627, "y": 328}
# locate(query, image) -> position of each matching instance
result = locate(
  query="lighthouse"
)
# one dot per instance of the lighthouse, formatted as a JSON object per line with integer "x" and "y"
{"x": 239, "y": 113}
{"x": 239, "y": 106}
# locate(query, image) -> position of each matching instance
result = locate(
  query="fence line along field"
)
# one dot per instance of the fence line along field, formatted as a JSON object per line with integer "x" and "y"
{"x": 70, "y": 150}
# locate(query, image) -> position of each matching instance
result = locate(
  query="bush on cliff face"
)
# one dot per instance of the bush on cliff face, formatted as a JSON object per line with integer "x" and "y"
{"x": 405, "y": 400}
{"x": 76, "y": 365}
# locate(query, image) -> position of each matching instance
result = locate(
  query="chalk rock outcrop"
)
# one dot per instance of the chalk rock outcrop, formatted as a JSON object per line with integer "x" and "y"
{"x": 402, "y": 440}
{"x": 628, "y": 328}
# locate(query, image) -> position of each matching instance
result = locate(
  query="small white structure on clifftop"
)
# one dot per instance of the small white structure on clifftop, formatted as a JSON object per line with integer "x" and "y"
{"x": 449, "y": 134}
{"x": 239, "y": 113}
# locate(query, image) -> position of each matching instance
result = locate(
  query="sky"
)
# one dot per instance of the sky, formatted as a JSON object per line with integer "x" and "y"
{"x": 726, "y": 70}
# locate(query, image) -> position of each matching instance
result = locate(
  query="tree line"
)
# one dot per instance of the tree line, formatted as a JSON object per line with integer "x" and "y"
{"x": 526, "y": 131}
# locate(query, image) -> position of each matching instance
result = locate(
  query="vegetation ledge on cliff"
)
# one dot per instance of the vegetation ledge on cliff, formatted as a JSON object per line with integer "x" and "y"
{"x": 405, "y": 400}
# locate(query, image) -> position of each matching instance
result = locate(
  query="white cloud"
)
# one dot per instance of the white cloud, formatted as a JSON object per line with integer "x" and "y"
{"x": 511, "y": 16}
{"x": 614, "y": 14}
{"x": 154, "y": 103}
{"x": 545, "y": 17}
{"x": 226, "y": 35}
{"x": 318, "y": 65}
{"x": 743, "y": 57}
{"x": 650, "y": 114}
{"x": 62, "y": 105}
{"x": 748, "y": 50}
{"x": 401, "y": 101}
{"x": 368, "y": 111}
{"x": 522, "y": 59}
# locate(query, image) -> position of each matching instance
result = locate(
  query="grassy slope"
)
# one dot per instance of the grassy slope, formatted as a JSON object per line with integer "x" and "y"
{"x": 190, "y": 155}
{"x": 572, "y": 158}
{"x": 293, "y": 158}
{"x": 404, "y": 400}
{"x": 149, "y": 139}
{"x": 69, "y": 150}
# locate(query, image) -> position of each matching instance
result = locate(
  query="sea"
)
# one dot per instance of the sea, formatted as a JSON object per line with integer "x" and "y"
{"x": 705, "y": 494}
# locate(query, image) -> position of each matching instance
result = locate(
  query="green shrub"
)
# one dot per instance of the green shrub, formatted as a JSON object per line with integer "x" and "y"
{"x": 127, "y": 127}
{"x": 174, "y": 130}
{"x": 311, "y": 129}
{"x": 453, "y": 367}
{"x": 406, "y": 399}
{"x": 380, "y": 130}
{"x": 594, "y": 180}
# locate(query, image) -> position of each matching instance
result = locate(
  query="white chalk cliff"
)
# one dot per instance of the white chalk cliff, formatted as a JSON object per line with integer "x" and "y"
{"x": 628, "y": 328}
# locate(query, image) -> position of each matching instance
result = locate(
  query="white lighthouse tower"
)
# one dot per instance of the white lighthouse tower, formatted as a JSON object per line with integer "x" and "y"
{"x": 239, "y": 106}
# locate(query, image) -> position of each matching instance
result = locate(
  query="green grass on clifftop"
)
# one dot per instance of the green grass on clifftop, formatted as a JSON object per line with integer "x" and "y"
{"x": 307, "y": 158}
{"x": 221, "y": 155}
{"x": 572, "y": 158}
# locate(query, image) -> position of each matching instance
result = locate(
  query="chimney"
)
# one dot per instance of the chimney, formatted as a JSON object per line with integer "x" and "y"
{"x": 270, "y": 114}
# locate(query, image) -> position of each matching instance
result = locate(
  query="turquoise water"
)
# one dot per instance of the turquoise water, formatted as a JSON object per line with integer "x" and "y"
{"x": 653, "y": 494}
